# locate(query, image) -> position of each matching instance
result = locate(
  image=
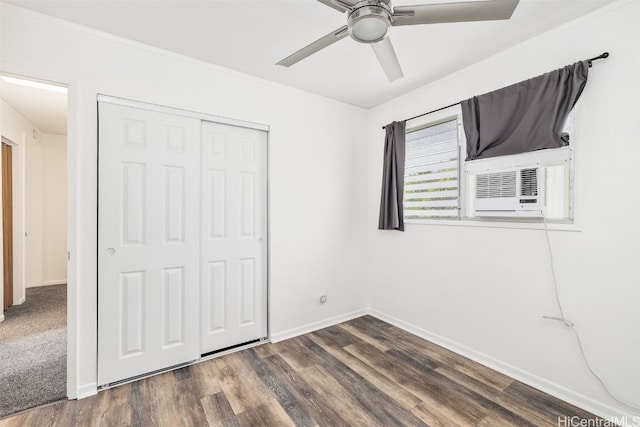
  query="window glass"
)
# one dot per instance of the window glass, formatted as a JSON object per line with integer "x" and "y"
{"x": 432, "y": 167}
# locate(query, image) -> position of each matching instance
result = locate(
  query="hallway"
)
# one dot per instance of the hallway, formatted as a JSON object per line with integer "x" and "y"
{"x": 33, "y": 350}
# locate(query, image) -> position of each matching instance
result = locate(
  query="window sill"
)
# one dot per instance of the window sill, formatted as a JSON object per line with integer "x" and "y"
{"x": 521, "y": 224}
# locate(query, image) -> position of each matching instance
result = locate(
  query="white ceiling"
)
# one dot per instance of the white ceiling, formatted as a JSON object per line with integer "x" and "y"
{"x": 45, "y": 109}
{"x": 252, "y": 35}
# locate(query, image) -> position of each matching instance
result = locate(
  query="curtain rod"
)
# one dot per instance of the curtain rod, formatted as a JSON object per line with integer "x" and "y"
{"x": 603, "y": 56}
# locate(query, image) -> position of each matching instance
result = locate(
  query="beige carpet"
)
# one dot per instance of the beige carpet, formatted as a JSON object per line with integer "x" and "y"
{"x": 33, "y": 350}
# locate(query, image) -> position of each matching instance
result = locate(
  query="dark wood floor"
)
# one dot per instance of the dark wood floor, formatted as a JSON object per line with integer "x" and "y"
{"x": 360, "y": 373}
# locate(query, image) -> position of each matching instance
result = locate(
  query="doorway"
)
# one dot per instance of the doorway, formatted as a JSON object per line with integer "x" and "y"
{"x": 33, "y": 332}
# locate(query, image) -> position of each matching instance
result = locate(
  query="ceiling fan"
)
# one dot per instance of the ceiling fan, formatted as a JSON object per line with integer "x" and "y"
{"x": 369, "y": 21}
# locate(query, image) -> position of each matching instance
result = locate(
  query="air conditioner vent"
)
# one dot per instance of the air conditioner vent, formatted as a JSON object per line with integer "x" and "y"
{"x": 529, "y": 182}
{"x": 496, "y": 185}
{"x": 509, "y": 192}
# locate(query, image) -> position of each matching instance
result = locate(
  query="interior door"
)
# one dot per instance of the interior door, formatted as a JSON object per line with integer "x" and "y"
{"x": 234, "y": 235}
{"x": 148, "y": 241}
{"x": 7, "y": 224}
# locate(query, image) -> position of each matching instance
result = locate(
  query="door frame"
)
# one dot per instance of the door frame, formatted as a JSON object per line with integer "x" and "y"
{"x": 7, "y": 215}
{"x": 18, "y": 190}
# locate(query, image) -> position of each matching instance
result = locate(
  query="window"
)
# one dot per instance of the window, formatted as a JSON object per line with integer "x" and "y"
{"x": 439, "y": 184}
{"x": 432, "y": 171}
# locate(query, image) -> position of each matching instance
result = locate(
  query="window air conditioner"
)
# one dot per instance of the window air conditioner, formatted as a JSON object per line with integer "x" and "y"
{"x": 512, "y": 192}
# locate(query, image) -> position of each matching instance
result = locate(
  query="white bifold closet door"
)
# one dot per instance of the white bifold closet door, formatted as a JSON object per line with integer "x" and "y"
{"x": 234, "y": 227}
{"x": 182, "y": 221}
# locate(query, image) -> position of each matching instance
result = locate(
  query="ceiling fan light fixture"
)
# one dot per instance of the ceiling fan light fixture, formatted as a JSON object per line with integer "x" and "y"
{"x": 369, "y": 24}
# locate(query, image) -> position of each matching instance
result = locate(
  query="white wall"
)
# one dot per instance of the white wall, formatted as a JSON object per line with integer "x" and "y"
{"x": 40, "y": 203}
{"x": 19, "y": 131}
{"x": 44, "y": 208}
{"x": 46, "y": 211}
{"x": 34, "y": 208}
{"x": 483, "y": 291}
{"x": 54, "y": 269}
{"x": 317, "y": 206}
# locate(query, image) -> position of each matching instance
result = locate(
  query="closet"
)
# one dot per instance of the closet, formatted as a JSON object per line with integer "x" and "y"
{"x": 182, "y": 230}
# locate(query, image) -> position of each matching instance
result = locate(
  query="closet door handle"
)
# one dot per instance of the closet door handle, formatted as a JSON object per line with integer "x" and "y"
{"x": 110, "y": 251}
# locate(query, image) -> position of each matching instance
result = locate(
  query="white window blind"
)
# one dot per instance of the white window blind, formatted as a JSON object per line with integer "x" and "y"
{"x": 431, "y": 178}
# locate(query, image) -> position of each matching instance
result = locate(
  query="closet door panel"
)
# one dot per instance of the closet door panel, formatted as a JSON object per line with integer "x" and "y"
{"x": 234, "y": 244}
{"x": 148, "y": 241}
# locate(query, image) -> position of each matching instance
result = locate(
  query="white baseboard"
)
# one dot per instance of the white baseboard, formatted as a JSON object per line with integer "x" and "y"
{"x": 301, "y": 330}
{"x": 48, "y": 283}
{"x": 87, "y": 390}
{"x": 1, "y": 317}
{"x": 598, "y": 408}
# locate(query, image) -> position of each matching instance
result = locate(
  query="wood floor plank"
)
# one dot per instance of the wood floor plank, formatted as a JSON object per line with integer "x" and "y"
{"x": 370, "y": 323}
{"x": 187, "y": 401}
{"x": 434, "y": 377}
{"x": 68, "y": 415}
{"x": 343, "y": 400}
{"x": 492, "y": 420}
{"x": 381, "y": 406}
{"x": 437, "y": 416}
{"x": 514, "y": 404}
{"x": 298, "y": 355}
{"x": 107, "y": 409}
{"x": 182, "y": 373}
{"x": 152, "y": 401}
{"x": 299, "y": 414}
{"x": 403, "y": 339}
{"x": 338, "y": 335}
{"x": 205, "y": 378}
{"x": 395, "y": 390}
{"x": 320, "y": 406}
{"x": 430, "y": 393}
{"x": 269, "y": 414}
{"x": 364, "y": 372}
{"x": 546, "y": 403}
{"x": 218, "y": 411}
{"x": 243, "y": 388}
{"x": 46, "y": 419}
{"x": 42, "y": 416}
{"x": 365, "y": 337}
{"x": 266, "y": 350}
{"x": 372, "y": 327}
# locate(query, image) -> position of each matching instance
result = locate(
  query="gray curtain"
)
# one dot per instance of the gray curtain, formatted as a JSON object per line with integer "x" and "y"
{"x": 526, "y": 116}
{"x": 391, "y": 211}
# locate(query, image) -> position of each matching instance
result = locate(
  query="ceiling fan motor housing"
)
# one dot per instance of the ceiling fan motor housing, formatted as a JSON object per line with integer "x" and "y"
{"x": 369, "y": 21}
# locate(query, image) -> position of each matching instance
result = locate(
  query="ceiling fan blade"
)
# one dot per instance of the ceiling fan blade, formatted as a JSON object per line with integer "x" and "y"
{"x": 485, "y": 10}
{"x": 314, "y": 47}
{"x": 339, "y": 5}
{"x": 388, "y": 59}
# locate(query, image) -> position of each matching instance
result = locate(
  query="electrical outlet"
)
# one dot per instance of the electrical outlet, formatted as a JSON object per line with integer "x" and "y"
{"x": 323, "y": 299}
